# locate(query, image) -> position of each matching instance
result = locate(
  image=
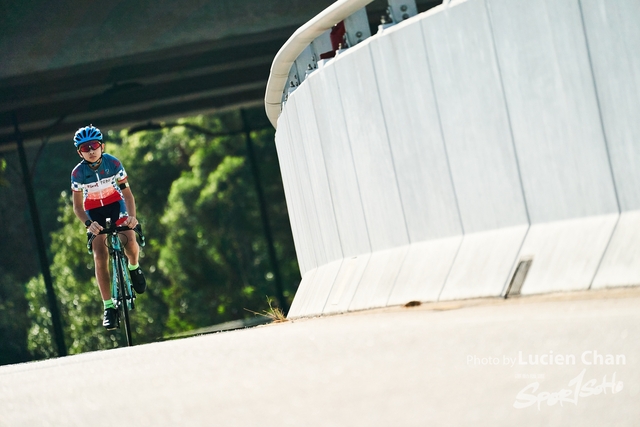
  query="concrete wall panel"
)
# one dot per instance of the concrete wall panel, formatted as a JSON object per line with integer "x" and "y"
{"x": 565, "y": 254}
{"x": 298, "y": 193}
{"x": 553, "y": 107}
{"x": 317, "y": 171}
{"x": 283, "y": 143}
{"x": 621, "y": 263}
{"x": 316, "y": 246}
{"x": 346, "y": 284}
{"x": 339, "y": 162}
{"x": 370, "y": 148}
{"x": 323, "y": 281}
{"x": 378, "y": 279}
{"x": 474, "y": 117}
{"x": 613, "y": 36}
{"x": 303, "y": 294}
{"x": 483, "y": 263}
{"x": 424, "y": 270}
{"x": 415, "y": 134}
{"x": 559, "y": 139}
{"x": 480, "y": 149}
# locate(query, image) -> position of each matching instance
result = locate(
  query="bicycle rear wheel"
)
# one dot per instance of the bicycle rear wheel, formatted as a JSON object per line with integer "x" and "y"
{"x": 124, "y": 294}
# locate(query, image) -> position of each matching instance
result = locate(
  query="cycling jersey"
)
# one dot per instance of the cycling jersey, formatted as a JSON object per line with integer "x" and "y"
{"x": 100, "y": 186}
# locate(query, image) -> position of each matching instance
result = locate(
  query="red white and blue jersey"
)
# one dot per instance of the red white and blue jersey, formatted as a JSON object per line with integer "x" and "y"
{"x": 99, "y": 187}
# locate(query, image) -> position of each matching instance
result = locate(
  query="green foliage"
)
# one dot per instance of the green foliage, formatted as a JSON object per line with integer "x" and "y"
{"x": 214, "y": 254}
{"x": 13, "y": 320}
{"x": 206, "y": 255}
{"x": 78, "y": 296}
{"x": 3, "y": 168}
{"x": 17, "y": 264}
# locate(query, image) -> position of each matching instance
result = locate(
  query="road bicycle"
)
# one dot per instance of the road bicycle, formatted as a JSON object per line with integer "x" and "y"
{"x": 122, "y": 292}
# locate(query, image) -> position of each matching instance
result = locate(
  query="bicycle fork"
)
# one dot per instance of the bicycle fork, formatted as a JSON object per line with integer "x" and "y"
{"x": 116, "y": 291}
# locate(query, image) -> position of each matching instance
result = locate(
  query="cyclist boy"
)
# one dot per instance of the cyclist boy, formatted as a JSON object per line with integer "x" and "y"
{"x": 101, "y": 191}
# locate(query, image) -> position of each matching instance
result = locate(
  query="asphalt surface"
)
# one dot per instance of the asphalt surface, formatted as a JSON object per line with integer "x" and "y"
{"x": 442, "y": 364}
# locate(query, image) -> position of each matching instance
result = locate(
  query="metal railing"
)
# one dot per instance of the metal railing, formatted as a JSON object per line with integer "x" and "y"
{"x": 297, "y": 43}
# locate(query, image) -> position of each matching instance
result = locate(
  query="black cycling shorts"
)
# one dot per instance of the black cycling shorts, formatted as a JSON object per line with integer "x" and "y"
{"x": 101, "y": 214}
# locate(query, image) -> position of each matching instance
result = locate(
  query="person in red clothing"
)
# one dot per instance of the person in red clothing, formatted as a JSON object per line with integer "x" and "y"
{"x": 337, "y": 40}
{"x": 100, "y": 191}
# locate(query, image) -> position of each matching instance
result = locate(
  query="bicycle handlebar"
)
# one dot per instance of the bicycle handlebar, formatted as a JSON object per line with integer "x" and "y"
{"x": 121, "y": 228}
{"x": 137, "y": 229}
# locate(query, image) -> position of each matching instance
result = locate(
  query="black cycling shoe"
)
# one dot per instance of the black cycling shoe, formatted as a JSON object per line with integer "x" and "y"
{"x": 138, "y": 281}
{"x": 110, "y": 318}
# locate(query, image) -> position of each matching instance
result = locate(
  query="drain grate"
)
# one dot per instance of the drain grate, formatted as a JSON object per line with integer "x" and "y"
{"x": 518, "y": 277}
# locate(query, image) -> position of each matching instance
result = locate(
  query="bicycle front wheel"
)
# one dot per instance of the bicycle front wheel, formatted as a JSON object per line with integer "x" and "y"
{"x": 124, "y": 306}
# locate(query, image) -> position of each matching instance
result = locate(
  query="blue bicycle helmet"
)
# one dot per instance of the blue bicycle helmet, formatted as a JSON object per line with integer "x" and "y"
{"x": 86, "y": 134}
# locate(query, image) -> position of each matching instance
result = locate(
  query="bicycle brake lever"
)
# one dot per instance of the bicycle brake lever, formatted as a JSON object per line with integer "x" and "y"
{"x": 90, "y": 243}
{"x": 138, "y": 230}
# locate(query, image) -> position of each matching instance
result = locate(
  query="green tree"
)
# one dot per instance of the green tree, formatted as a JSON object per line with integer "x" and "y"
{"x": 3, "y": 168}
{"x": 13, "y": 320}
{"x": 78, "y": 296}
{"x": 215, "y": 254}
{"x": 19, "y": 261}
{"x": 16, "y": 265}
{"x": 206, "y": 256}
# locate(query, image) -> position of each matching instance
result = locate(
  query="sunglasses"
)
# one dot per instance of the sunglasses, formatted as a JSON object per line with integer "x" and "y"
{"x": 94, "y": 145}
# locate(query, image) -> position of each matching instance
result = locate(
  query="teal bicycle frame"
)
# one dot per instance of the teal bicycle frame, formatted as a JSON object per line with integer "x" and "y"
{"x": 122, "y": 292}
{"x": 119, "y": 265}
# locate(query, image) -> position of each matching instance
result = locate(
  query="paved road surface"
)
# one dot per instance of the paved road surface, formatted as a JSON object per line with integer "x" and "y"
{"x": 443, "y": 364}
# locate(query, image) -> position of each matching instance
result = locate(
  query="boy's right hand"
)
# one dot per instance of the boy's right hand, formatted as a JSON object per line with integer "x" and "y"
{"x": 95, "y": 228}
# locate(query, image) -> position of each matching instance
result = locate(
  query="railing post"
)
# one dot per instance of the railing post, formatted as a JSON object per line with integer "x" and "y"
{"x": 283, "y": 79}
{"x": 321, "y": 44}
{"x": 357, "y": 27}
{"x": 305, "y": 61}
{"x": 402, "y": 9}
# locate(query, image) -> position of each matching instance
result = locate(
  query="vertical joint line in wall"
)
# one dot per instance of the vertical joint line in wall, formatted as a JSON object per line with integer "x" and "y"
{"x": 386, "y": 130}
{"x": 444, "y": 143}
{"x": 355, "y": 171}
{"x": 315, "y": 121}
{"x": 304, "y": 215}
{"x": 397, "y": 275}
{"x": 606, "y": 248}
{"x": 289, "y": 197}
{"x": 512, "y": 271}
{"x": 446, "y": 278}
{"x": 355, "y": 291}
{"x": 318, "y": 249}
{"x": 333, "y": 283}
{"x": 324, "y": 162}
{"x": 604, "y": 137}
{"x": 506, "y": 107}
{"x": 446, "y": 154}
{"x": 297, "y": 195}
{"x": 595, "y": 90}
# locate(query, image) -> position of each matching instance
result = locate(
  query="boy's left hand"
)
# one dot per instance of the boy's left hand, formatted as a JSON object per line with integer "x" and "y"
{"x": 131, "y": 222}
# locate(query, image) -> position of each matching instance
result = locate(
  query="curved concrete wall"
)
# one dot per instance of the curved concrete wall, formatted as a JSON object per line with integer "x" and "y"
{"x": 426, "y": 162}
